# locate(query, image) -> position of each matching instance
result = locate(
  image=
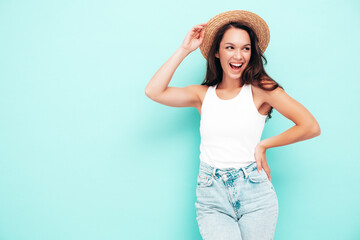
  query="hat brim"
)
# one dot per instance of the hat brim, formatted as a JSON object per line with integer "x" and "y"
{"x": 256, "y": 23}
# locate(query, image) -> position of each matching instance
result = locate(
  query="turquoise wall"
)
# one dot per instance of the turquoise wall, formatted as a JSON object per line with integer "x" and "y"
{"x": 84, "y": 154}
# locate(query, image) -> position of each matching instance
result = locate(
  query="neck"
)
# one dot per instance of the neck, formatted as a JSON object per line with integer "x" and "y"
{"x": 229, "y": 84}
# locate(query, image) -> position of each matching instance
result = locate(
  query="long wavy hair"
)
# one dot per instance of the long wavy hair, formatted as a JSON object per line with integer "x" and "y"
{"x": 253, "y": 74}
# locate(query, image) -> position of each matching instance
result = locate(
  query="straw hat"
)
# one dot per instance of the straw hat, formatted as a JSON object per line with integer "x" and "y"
{"x": 256, "y": 23}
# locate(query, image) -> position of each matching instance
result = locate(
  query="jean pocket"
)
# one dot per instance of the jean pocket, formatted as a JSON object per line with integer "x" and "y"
{"x": 204, "y": 179}
{"x": 257, "y": 177}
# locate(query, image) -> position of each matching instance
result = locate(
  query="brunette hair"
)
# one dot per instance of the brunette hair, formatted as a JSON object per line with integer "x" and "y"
{"x": 253, "y": 74}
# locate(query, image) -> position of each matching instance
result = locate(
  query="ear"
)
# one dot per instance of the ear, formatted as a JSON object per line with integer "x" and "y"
{"x": 217, "y": 54}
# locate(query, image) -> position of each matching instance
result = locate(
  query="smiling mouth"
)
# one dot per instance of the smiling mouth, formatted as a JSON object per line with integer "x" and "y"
{"x": 236, "y": 66}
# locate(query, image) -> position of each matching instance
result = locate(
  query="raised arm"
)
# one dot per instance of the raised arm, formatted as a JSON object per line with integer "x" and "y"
{"x": 158, "y": 90}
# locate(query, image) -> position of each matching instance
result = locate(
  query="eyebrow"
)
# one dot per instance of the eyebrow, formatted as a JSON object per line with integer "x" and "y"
{"x": 233, "y": 44}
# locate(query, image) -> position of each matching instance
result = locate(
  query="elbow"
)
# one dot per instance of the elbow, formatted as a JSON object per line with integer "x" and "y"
{"x": 311, "y": 130}
{"x": 152, "y": 95}
{"x": 147, "y": 93}
{"x": 315, "y": 129}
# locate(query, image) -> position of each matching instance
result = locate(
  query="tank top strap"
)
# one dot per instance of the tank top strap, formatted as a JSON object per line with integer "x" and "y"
{"x": 211, "y": 94}
{"x": 247, "y": 91}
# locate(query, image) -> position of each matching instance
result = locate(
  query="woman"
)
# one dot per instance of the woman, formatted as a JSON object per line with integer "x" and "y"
{"x": 235, "y": 198}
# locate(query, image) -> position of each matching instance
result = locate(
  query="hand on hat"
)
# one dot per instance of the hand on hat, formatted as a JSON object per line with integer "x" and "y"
{"x": 194, "y": 38}
{"x": 260, "y": 158}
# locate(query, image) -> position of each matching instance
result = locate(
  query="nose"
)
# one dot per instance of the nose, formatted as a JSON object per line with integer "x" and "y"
{"x": 238, "y": 54}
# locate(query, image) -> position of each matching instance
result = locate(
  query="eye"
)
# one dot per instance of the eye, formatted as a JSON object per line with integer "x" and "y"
{"x": 247, "y": 48}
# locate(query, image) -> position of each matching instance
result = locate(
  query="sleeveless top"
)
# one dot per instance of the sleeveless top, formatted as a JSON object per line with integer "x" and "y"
{"x": 229, "y": 129}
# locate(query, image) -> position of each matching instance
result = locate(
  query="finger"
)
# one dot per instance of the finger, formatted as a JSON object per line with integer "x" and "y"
{"x": 259, "y": 167}
{"x": 267, "y": 170}
{"x": 268, "y": 174}
{"x": 202, "y": 34}
{"x": 258, "y": 163}
{"x": 200, "y": 26}
{"x": 197, "y": 29}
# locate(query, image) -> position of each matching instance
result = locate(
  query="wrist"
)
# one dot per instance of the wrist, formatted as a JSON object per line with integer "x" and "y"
{"x": 184, "y": 51}
{"x": 262, "y": 145}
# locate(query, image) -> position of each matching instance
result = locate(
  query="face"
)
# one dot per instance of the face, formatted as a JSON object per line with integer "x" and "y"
{"x": 235, "y": 48}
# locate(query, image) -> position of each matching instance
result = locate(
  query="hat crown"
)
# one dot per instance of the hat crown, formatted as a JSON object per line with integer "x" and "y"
{"x": 256, "y": 23}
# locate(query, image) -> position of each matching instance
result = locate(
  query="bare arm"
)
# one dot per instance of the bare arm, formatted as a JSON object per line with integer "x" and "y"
{"x": 160, "y": 81}
{"x": 158, "y": 90}
{"x": 306, "y": 125}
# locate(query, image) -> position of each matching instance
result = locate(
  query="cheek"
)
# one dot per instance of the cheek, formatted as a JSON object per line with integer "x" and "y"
{"x": 248, "y": 57}
{"x": 225, "y": 58}
{"x": 225, "y": 63}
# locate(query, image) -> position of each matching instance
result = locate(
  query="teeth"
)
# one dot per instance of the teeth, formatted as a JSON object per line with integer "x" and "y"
{"x": 237, "y": 65}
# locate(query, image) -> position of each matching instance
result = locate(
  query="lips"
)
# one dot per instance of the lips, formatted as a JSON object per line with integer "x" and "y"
{"x": 235, "y": 66}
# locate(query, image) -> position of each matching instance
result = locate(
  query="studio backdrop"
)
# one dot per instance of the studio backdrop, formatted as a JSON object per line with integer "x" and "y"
{"x": 84, "y": 154}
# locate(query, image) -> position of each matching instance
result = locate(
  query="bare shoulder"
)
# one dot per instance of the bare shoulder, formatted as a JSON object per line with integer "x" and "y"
{"x": 258, "y": 91}
{"x": 260, "y": 97}
{"x": 267, "y": 95}
{"x": 289, "y": 107}
{"x": 270, "y": 95}
{"x": 200, "y": 91}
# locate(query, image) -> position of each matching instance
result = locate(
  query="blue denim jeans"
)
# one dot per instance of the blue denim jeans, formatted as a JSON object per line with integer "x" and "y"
{"x": 235, "y": 204}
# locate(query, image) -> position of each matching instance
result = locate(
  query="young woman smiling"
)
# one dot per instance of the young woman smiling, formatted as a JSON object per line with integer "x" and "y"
{"x": 235, "y": 199}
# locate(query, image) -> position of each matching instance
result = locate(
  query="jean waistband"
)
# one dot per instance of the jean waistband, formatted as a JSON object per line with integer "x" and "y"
{"x": 243, "y": 171}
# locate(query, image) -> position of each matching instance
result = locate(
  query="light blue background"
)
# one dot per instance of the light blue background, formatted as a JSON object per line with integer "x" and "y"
{"x": 84, "y": 154}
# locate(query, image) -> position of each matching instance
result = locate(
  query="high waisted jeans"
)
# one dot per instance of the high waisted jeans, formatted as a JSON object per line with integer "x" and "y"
{"x": 235, "y": 204}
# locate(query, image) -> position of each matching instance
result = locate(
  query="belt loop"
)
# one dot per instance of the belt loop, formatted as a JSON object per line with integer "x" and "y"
{"x": 246, "y": 174}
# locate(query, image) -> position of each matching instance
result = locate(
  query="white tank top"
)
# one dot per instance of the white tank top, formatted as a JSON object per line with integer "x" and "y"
{"x": 229, "y": 129}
